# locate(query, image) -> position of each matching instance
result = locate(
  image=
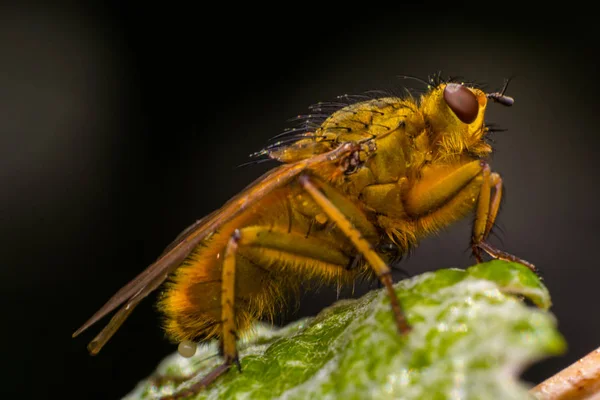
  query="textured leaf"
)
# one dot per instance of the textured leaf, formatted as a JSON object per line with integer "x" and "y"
{"x": 472, "y": 336}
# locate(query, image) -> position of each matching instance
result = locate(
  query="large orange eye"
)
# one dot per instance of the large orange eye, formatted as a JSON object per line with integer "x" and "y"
{"x": 462, "y": 102}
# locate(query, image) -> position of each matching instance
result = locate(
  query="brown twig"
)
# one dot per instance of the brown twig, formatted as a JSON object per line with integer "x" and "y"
{"x": 579, "y": 381}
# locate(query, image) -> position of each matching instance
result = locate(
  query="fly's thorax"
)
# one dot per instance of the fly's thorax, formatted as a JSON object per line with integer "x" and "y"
{"x": 391, "y": 159}
{"x": 389, "y": 124}
{"x": 366, "y": 119}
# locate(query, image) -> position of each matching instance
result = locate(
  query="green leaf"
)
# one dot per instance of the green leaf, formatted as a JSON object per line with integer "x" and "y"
{"x": 471, "y": 338}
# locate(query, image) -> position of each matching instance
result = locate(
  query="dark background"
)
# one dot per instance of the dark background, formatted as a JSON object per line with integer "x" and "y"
{"x": 119, "y": 127}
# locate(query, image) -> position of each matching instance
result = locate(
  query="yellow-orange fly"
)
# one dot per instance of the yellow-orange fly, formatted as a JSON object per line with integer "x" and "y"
{"x": 371, "y": 180}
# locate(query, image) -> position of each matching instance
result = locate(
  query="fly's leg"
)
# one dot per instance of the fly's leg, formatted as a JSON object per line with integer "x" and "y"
{"x": 502, "y": 255}
{"x": 487, "y": 210}
{"x": 227, "y": 302}
{"x": 441, "y": 197}
{"x": 383, "y": 272}
{"x": 195, "y": 388}
{"x": 437, "y": 188}
{"x": 228, "y": 336}
{"x": 483, "y": 216}
{"x": 162, "y": 380}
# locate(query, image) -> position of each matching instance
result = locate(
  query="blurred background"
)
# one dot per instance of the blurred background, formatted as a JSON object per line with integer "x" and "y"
{"x": 121, "y": 126}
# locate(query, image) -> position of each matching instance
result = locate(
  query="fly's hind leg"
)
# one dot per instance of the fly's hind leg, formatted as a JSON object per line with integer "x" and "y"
{"x": 228, "y": 335}
{"x": 487, "y": 209}
{"x": 382, "y": 270}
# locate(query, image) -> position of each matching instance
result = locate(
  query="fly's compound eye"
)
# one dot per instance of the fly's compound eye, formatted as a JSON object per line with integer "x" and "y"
{"x": 462, "y": 102}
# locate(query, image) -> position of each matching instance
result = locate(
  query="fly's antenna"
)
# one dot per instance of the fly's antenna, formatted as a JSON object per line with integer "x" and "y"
{"x": 499, "y": 97}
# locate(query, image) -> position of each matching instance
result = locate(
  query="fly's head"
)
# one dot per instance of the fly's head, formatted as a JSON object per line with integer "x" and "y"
{"x": 455, "y": 116}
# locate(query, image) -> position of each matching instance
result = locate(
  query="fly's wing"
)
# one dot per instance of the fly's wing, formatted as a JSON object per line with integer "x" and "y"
{"x": 186, "y": 232}
{"x": 151, "y": 278}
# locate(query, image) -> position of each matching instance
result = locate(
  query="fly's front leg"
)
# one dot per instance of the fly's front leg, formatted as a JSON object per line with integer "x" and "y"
{"x": 382, "y": 270}
{"x": 228, "y": 335}
{"x": 488, "y": 205}
{"x": 482, "y": 216}
{"x": 444, "y": 195}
